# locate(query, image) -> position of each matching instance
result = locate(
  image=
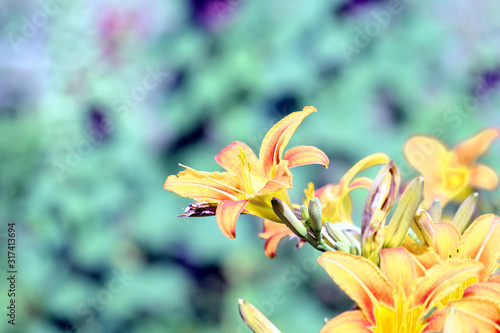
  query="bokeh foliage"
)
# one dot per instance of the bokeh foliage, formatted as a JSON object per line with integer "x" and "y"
{"x": 100, "y": 102}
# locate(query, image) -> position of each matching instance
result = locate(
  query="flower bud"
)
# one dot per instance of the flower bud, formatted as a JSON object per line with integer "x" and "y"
{"x": 452, "y": 321}
{"x": 336, "y": 233}
{"x": 379, "y": 202}
{"x": 255, "y": 319}
{"x": 436, "y": 211}
{"x": 423, "y": 227}
{"x": 315, "y": 216}
{"x": 402, "y": 218}
{"x": 462, "y": 218}
{"x": 303, "y": 212}
{"x": 288, "y": 217}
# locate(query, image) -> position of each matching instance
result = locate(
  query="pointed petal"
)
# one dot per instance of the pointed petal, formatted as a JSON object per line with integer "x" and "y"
{"x": 309, "y": 193}
{"x": 482, "y": 176}
{"x": 425, "y": 257}
{"x": 365, "y": 163}
{"x": 361, "y": 182}
{"x": 398, "y": 266}
{"x": 360, "y": 279}
{"x": 473, "y": 315}
{"x": 481, "y": 242}
{"x": 305, "y": 155}
{"x": 281, "y": 181}
{"x": 255, "y": 319}
{"x": 234, "y": 155}
{"x": 447, "y": 237}
{"x": 227, "y": 213}
{"x": 442, "y": 279}
{"x": 470, "y": 149}
{"x": 419, "y": 150}
{"x": 348, "y": 322}
{"x": 484, "y": 290}
{"x": 203, "y": 186}
{"x": 273, "y": 233}
{"x": 277, "y": 138}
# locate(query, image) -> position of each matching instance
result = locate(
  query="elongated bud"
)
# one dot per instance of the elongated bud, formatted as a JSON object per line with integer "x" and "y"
{"x": 452, "y": 322}
{"x": 355, "y": 247}
{"x": 255, "y": 319}
{"x": 288, "y": 217}
{"x": 342, "y": 247}
{"x": 423, "y": 227}
{"x": 327, "y": 238}
{"x": 463, "y": 217}
{"x": 303, "y": 212}
{"x": 336, "y": 233}
{"x": 436, "y": 211}
{"x": 378, "y": 203}
{"x": 402, "y": 218}
{"x": 315, "y": 216}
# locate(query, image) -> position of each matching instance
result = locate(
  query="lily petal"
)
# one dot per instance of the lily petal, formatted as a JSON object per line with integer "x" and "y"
{"x": 398, "y": 266}
{"x": 281, "y": 181}
{"x": 305, "y": 155}
{"x": 447, "y": 237}
{"x": 443, "y": 279}
{"x": 349, "y": 322}
{"x": 425, "y": 257}
{"x": 480, "y": 242}
{"x": 360, "y": 279}
{"x": 236, "y": 158}
{"x": 470, "y": 149}
{"x": 473, "y": 315}
{"x": 203, "y": 186}
{"x": 482, "y": 176}
{"x": 365, "y": 163}
{"x": 484, "y": 290}
{"x": 227, "y": 213}
{"x": 361, "y": 182}
{"x": 420, "y": 149}
{"x": 277, "y": 138}
{"x": 273, "y": 233}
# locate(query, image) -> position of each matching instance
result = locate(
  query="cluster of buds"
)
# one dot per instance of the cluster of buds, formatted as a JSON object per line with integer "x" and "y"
{"x": 307, "y": 223}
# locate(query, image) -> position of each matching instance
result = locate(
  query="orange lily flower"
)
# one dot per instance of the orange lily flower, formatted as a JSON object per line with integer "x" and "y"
{"x": 249, "y": 183}
{"x": 398, "y": 296}
{"x": 479, "y": 243}
{"x": 477, "y": 311}
{"x": 452, "y": 174}
{"x": 336, "y": 202}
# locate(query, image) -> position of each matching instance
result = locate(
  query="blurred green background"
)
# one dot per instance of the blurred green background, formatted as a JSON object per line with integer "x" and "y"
{"x": 100, "y": 100}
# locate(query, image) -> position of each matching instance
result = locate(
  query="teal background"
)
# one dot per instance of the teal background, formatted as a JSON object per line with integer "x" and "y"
{"x": 99, "y": 102}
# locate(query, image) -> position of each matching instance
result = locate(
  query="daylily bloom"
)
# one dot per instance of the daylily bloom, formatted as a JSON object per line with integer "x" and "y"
{"x": 249, "y": 183}
{"x": 480, "y": 242}
{"x": 335, "y": 200}
{"x": 477, "y": 311}
{"x": 397, "y": 297}
{"x": 452, "y": 174}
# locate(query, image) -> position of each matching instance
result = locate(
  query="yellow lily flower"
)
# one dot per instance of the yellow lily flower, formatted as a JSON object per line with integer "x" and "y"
{"x": 249, "y": 183}
{"x": 336, "y": 202}
{"x": 452, "y": 174}
{"x": 398, "y": 296}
